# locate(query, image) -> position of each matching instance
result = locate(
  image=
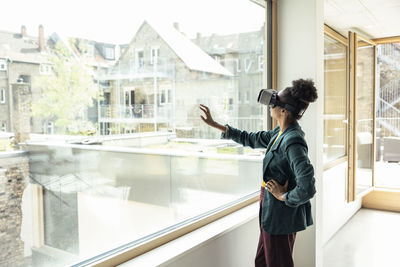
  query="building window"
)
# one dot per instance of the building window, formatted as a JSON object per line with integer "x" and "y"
{"x": 230, "y": 104}
{"x": 3, "y": 96}
{"x": 247, "y": 100}
{"x": 261, "y": 63}
{"x": 89, "y": 50}
{"x": 48, "y": 128}
{"x": 139, "y": 58}
{"x": 109, "y": 53}
{"x": 3, "y": 64}
{"x": 129, "y": 96}
{"x": 4, "y": 126}
{"x": 45, "y": 69}
{"x": 238, "y": 67}
{"x": 155, "y": 51}
{"x": 247, "y": 64}
{"x": 165, "y": 96}
{"x": 219, "y": 59}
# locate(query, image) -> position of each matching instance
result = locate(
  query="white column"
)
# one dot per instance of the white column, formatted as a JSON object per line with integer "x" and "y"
{"x": 300, "y": 55}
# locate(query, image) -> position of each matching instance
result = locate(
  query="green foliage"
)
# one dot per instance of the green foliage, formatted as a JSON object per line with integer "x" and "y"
{"x": 66, "y": 94}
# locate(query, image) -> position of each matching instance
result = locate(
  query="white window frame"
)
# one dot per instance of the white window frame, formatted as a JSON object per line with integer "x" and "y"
{"x": 155, "y": 49}
{"x": 45, "y": 69}
{"x": 2, "y": 95}
{"x": 3, "y": 65}
{"x": 108, "y": 51}
{"x": 247, "y": 97}
{"x": 89, "y": 50}
{"x": 4, "y": 126}
{"x": 48, "y": 127}
{"x": 167, "y": 90}
{"x": 238, "y": 67}
{"x": 261, "y": 63}
{"x": 247, "y": 64}
{"x": 128, "y": 89}
{"x": 139, "y": 63}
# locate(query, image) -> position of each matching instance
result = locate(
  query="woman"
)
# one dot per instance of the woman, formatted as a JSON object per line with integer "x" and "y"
{"x": 288, "y": 174}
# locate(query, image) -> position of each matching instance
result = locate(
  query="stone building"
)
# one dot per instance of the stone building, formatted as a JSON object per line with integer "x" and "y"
{"x": 22, "y": 58}
{"x": 162, "y": 77}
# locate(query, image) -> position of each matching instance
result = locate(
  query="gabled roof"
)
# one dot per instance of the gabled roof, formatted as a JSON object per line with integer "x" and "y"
{"x": 192, "y": 55}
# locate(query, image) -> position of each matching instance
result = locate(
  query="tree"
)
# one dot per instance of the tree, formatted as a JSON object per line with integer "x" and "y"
{"x": 66, "y": 93}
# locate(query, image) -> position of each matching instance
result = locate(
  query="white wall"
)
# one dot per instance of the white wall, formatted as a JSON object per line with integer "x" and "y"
{"x": 300, "y": 55}
{"x": 336, "y": 210}
{"x": 236, "y": 248}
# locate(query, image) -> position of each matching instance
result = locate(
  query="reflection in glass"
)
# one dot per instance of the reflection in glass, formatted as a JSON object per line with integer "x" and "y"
{"x": 364, "y": 115}
{"x": 116, "y": 123}
{"x": 109, "y": 199}
{"x": 335, "y": 115}
{"x": 388, "y": 116}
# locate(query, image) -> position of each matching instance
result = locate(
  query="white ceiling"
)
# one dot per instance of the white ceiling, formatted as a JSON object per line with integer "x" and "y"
{"x": 371, "y": 18}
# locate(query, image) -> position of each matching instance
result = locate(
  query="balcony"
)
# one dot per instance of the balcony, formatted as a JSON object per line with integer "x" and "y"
{"x": 130, "y": 70}
{"x": 140, "y": 113}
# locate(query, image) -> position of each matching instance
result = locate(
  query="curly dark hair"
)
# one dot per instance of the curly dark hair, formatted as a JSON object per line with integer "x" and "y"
{"x": 304, "y": 90}
{"x": 300, "y": 95}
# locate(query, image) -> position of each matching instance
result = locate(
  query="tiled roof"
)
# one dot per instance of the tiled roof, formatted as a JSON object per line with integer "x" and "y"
{"x": 192, "y": 55}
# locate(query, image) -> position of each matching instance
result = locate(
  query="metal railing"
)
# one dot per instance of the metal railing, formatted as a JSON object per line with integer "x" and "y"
{"x": 160, "y": 67}
{"x": 388, "y": 117}
{"x": 138, "y": 111}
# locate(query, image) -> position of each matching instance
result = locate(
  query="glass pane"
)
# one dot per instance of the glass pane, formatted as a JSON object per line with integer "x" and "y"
{"x": 388, "y": 116}
{"x": 364, "y": 115}
{"x": 335, "y": 115}
{"x": 117, "y": 151}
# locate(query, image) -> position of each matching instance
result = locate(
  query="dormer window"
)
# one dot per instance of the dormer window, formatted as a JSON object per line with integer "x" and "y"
{"x": 109, "y": 53}
{"x": 89, "y": 50}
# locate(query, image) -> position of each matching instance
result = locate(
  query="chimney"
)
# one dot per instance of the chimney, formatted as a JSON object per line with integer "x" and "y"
{"x": 23, "y": 31}
{"x": 22, "y": 98}
{"x": 41, "y": 39}
{"x": 176, "y": 26}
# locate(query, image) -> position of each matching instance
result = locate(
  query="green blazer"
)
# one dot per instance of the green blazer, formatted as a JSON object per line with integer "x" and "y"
{"x": 286, "y": 160}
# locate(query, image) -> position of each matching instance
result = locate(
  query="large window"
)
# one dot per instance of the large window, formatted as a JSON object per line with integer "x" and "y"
{"x": 335, "y": 101}
{"x": 118, "y": 153}
{"x": 388, "y": 116}
{"x": 364, "y": 111}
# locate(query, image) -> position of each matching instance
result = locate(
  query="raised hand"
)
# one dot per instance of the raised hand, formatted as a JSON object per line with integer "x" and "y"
{"x": 209, "y": 120}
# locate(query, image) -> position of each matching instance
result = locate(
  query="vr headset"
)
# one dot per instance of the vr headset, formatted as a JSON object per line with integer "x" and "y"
{"x": 269, "y": 97}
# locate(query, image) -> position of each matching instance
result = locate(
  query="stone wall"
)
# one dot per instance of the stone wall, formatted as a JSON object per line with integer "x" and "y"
{"x": 21, "y": 106}
{"x": 14, "y": 177}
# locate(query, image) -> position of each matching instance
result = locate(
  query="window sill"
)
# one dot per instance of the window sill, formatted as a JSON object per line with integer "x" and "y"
{"x": 195, "y": 239}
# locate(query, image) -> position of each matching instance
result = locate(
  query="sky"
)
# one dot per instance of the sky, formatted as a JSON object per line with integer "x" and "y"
{"x": 116, "y": 21}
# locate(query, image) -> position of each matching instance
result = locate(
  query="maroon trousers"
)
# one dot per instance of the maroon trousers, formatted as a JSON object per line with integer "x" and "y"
{"x": 274, "y": 250}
